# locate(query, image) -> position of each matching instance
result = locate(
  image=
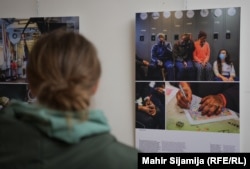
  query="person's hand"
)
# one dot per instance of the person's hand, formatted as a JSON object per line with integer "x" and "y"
{"x": 159, "y": 63}
{"x": 160, "y": 90}
{"x": 203, "y": 64}
{"x": 146, "y": 63}
{"x": 185, "y": 64}
{"x": 182, "y": 101}
{"x": 211, "y": 105}
{"x": 149, "y": 109}
{"x": 224, "y": 79}
{"x": 231, "y": 79}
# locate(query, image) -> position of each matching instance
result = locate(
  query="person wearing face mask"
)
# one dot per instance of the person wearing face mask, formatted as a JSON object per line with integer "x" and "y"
{"x": 161, "y": 56}
{"x": 201, "y": 56}
{"x": 223, "y": 67}
{"x": 183, "y": 54}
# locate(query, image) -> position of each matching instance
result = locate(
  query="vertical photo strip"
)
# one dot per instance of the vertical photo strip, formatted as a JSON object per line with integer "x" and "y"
{"x": 193, "y": 56}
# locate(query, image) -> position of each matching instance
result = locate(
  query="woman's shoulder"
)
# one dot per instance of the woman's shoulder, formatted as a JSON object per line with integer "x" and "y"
{"x": 108, "y": 152}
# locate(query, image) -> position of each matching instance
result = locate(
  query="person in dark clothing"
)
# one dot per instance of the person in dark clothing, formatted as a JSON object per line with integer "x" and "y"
{"x": 26, "y": 49}
{"x": 215, "y": 96}
{"x": 183, "y": 56}
{"x": 59, "y": 130}
{"x": 161, "y": 57}
{"x": 150, "y": 105}
{"x": 140, "y": 66}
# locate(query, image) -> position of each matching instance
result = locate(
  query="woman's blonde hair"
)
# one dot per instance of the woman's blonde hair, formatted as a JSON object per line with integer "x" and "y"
{"x": 62, "y": 70}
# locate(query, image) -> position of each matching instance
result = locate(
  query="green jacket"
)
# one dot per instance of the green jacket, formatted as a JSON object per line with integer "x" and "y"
{"x": 35, "y": 137}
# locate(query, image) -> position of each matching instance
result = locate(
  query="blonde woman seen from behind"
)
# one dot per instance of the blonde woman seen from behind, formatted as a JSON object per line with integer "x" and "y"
{"x": 59, "y": 130}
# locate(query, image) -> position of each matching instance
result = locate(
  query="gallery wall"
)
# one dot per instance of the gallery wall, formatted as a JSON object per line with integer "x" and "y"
{"x": 110, "y": 25}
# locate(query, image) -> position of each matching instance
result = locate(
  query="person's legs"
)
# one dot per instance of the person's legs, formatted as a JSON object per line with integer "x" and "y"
{"x": 209, "y": 72}
{"x": 140, "y": 74}
{"x": 169, "y": 66}
{"x": 236, "y": 79}
{"x": 154, "y": 73}
{"x": 199, "y": 69}
{"x": 191, "y": 71}
{"x": 179, "y": 70}
{"x": 217, "y": 79}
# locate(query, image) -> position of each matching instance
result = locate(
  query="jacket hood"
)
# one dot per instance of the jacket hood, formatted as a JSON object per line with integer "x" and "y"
{"x": 55, "y": 124}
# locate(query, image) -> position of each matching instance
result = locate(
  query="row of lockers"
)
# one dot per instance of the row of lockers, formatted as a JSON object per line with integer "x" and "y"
{"x": 221, "y": 25}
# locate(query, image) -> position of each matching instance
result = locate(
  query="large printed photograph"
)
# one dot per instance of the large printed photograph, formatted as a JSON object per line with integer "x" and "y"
{"x": 17, "y": 36}
{"x": 188, "y": 45}
{"x": 195, "y": 48}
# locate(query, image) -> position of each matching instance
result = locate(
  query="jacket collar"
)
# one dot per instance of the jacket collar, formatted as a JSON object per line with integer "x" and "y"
{"x": 55, "y": 124}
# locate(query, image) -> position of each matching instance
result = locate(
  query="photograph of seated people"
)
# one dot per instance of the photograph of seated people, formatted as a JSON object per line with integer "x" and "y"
{"x": 150, "y": 105}
{"x": 215, "y": 96}
{"x": 60, "y": 130}
{"x": 201, "y": 56}
{"x": 162, "y": 63}
{"x": 183, "y": 56}
{"x": 223, "y": 67}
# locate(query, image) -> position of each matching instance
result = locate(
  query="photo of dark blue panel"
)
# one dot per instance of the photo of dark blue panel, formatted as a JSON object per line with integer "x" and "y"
{"x": 176, "y": 37}
{"x": 141, "y": 38}
{"x": 216, "y": 36}
{"x": 152, "y": 37}
{"x": 166, "y": 37}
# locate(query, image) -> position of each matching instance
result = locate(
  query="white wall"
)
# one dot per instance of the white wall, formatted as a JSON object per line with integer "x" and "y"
{"x": 110, "y": 24}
